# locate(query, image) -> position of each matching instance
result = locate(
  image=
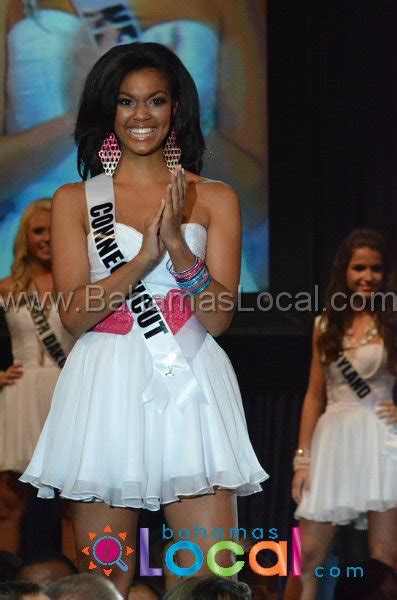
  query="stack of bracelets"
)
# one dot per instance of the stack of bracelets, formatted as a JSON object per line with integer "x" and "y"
{"x": 193, "y": 280}
{"x": 301, "y": 459}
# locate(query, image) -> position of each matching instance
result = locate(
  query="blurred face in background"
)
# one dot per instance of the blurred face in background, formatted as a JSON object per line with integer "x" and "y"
{"x": 44, "y": 573}
{"x": 38, "y": 235}
{"x": 364, "y": 273}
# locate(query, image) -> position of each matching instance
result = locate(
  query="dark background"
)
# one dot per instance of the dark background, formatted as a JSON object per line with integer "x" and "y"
{"x": 333, "y": 125}
{"x": 333, "y": 167}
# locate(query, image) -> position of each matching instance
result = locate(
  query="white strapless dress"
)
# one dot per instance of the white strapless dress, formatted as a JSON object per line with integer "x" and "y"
{"x": 24, "y": 406}
{"x": 104, "y": 441}
{"x": 354, "y": 461}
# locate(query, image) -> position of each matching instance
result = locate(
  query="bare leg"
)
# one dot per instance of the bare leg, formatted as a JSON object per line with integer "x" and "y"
{"x": 14, "y": 498}
{"x": 382, "y": 536}
{"x": 316, "y": 540}
{"x": 208, "y": 511}
{"x": 94, "y": 516}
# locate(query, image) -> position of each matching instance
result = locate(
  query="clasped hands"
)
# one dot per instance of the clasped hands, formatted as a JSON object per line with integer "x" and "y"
{"x": 163, "y": 228}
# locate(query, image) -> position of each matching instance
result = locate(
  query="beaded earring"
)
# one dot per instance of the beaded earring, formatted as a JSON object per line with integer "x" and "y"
{"x": 172, "y": 151}
{"x": 110, "y": 154}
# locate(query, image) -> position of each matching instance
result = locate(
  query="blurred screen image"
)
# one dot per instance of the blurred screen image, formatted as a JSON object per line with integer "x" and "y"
{"x": 46, "y": 51}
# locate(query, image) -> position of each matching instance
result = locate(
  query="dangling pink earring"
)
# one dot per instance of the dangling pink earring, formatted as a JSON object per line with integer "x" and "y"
{"x": 110, "y": 154}
{"x": 172, "y": 152}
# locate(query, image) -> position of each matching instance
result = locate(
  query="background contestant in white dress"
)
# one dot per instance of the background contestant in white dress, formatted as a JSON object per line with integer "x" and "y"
{"x": 148, "y": 409}
{"x": 28, "y": 384}
{"x": 346, "y": 462}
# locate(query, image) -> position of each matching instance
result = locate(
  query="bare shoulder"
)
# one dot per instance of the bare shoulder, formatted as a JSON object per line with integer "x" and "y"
{"x": 6, "y": 285}
{"x": 69, "y": 202}
{"x": 74, "y": 193}
{"x": 217, "y": 195}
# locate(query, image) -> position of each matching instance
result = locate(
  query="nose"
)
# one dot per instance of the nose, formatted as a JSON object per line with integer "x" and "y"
{"x": 368, "y": 275}
{"x": 141, "y": 112}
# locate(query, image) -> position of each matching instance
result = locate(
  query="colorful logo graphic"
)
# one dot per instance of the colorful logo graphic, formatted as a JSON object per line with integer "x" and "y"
{"x": 107, "y": 550}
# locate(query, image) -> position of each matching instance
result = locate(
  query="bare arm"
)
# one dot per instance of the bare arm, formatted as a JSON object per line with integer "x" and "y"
{"x": 26, "y": 155}
{"x": 313, "y": 407}
{"x": 239, "y": 141}
{"x": 71, "y": 265}
{"x": 14, "y": 371}
{"x": 215, "y": 306}
{"x": 315, "y": 398}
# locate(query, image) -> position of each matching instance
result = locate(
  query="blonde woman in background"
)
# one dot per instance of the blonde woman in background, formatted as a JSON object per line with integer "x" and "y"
{"x": 28, "y": 384}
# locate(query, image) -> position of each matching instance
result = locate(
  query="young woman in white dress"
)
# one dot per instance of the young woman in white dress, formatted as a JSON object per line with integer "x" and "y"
{"x": 28, "y": 384}
{"x": 128, "y": 430}
{"x": 346, "y": 462}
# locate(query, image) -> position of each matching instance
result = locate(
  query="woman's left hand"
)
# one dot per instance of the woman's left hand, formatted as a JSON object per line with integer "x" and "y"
{"x": 170, "y": 228}
{"x": 387, "y": 410}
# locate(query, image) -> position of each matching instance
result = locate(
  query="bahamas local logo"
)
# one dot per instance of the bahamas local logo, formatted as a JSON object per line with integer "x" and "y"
{"x": 107, "y": 550}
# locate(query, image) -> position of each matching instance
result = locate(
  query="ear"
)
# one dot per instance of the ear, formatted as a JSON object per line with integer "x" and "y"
{"x": 174, "y": 109}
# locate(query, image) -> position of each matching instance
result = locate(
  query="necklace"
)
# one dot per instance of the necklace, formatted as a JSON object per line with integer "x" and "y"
{"x": 349, "y": 342}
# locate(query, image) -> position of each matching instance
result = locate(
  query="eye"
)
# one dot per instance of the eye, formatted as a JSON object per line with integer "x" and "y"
{"x": 124, "y": 101}
{"x": 377, "y": 268}
{"x": 38, "y": 230}
{"x": 358, "y": 268}
{"x": 158, "y": 101}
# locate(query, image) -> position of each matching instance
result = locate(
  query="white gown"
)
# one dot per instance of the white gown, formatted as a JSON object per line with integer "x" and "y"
{"x": 105, "y": 439}
{"x": 354, "y": 454}
{"x": 24, "y": 406}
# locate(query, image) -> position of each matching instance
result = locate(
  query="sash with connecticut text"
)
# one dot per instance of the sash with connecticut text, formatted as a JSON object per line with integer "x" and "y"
{"x": 172, "y": 374}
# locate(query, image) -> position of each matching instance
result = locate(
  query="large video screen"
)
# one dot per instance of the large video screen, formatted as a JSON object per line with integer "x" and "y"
{"x": 46, "y": 50}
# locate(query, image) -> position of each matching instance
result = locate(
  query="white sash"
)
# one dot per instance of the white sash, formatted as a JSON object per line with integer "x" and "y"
{"x": 172, "y": 374}
{"x": 357, "y": 384}
{"x": 45, "y": 333}
{"x": 363, "y": 390}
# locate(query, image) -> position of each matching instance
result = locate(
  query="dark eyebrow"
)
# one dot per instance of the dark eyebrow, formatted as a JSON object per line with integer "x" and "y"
{"x": 362, "y": 265}
{"x": 151, "y": 95}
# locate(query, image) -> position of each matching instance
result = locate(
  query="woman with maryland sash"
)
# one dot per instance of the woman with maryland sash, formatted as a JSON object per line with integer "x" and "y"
{"x": 39, "y": 347}
{"x": 148, "y": 409}
{"x": 346, "y": 462}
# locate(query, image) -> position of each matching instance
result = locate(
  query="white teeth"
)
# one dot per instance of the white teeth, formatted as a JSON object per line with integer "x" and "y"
{"x": 143, "y": 131}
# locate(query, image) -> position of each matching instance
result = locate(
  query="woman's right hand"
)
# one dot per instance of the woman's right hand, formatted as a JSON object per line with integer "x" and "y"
{"x": 153, "y": 248}
{"x": 300, "y": 482}
{"x": 9, "y": 376}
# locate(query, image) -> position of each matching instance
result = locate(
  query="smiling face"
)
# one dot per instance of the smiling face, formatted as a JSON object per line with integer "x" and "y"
{"x": 38, "y": 235}
{"x": 364, "y": 274}
{"x": 144, "y": 110}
